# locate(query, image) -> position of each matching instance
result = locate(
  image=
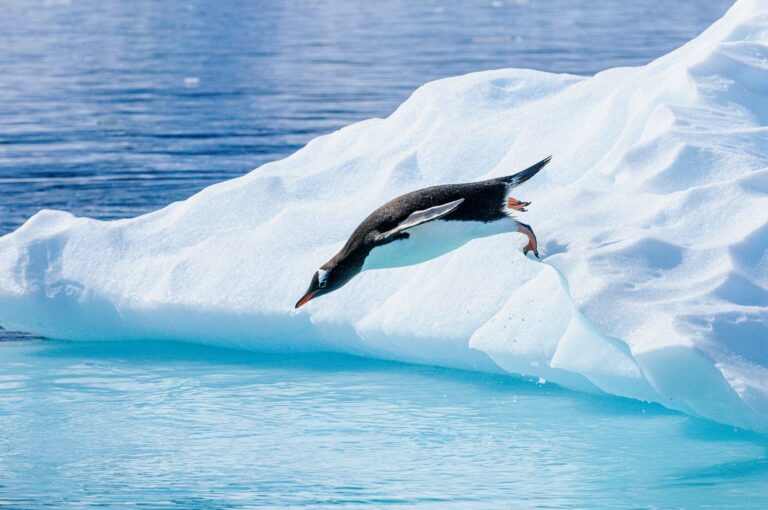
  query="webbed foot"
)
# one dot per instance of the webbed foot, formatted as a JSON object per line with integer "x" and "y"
{"x": 517, "y": 205}
{"x": 532, "y": 244}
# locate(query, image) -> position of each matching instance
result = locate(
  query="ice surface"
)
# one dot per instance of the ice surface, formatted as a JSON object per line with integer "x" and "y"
{"x": 653, "y": 215}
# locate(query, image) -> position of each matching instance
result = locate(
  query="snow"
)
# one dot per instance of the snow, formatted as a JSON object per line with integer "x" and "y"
{"x": 653, "y": 217}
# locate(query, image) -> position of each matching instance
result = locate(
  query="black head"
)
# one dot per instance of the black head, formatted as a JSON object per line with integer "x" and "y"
{"x": 317, "y": 287}
{"x": 326, "y": 279}
{"x": 335, "y": 273}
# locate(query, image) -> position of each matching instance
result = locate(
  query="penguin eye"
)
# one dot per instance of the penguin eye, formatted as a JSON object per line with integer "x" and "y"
{"x": 322, "y": 278}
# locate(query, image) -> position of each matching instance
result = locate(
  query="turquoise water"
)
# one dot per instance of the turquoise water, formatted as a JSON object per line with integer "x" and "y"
{"x": 163, "y": 425}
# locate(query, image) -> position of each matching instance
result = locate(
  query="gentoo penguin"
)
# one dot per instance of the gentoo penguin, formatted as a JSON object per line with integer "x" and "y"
{"x": 425, "y": 224}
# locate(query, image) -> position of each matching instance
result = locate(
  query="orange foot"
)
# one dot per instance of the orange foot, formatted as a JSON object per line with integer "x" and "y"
{"x": 517, "y": 205}
{"x": 531, "y": 246}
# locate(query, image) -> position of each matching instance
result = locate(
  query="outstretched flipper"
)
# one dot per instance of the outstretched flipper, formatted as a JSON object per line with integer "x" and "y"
{"x": 532, "y": 245}
{"x": 417, "y": 218}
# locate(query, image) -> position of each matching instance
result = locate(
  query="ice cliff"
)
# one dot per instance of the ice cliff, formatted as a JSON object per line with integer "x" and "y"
{"x": 653, "y": 216}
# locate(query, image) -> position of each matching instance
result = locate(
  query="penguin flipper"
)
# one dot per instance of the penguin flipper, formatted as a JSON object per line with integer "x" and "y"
{"x": 419, "y": 217}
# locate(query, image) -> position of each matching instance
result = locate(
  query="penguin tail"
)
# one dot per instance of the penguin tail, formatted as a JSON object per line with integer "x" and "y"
{"x": 520, "y": 177}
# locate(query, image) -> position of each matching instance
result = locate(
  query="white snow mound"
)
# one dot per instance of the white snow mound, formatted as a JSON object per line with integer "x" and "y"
{"x": 653, "y": 217}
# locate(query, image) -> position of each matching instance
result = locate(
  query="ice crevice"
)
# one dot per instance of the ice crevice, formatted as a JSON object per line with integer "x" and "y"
{"x": 653, "y": 215}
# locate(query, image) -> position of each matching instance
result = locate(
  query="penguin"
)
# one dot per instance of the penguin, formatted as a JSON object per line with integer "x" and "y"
{"x": 425, "y": 224}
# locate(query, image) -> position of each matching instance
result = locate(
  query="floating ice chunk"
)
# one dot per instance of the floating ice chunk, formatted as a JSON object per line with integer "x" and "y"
{"x": 653, "y": 213}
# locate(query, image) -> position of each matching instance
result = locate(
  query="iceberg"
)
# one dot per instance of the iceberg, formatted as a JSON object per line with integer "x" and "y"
{"x": 653, "y": 219}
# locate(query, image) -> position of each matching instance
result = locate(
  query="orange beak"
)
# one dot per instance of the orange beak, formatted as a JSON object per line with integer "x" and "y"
{"x": 306, "y": 298}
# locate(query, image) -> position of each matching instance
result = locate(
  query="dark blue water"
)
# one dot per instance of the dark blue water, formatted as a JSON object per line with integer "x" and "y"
{"x": 114, "y": 108}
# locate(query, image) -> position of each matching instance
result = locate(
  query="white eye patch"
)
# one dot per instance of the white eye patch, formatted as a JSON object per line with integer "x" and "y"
{"x": 322, "y": 277}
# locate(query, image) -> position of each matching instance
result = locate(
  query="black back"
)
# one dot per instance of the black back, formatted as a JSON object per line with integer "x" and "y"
{"x": 484, "y": 201}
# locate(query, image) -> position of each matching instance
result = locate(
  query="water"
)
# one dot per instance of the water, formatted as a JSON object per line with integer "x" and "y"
{"x": 174, "y": 425}
{"x": 112, "y": 108}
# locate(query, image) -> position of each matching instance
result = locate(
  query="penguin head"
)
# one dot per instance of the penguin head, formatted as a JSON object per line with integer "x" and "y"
{"x": 323, "y": 281}
{"x": 335, "y": 273}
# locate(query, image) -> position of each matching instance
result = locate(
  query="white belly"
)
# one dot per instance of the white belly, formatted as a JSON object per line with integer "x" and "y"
{"x": 433, "y": 239}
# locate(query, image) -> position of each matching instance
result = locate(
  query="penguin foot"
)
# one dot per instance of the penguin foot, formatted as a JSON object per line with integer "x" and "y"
{"x": 532, "y": 244}
{"x": 517, "y": 205}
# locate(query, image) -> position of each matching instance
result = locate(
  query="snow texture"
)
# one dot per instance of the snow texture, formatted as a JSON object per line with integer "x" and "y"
{"x": 653, "y": 217}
